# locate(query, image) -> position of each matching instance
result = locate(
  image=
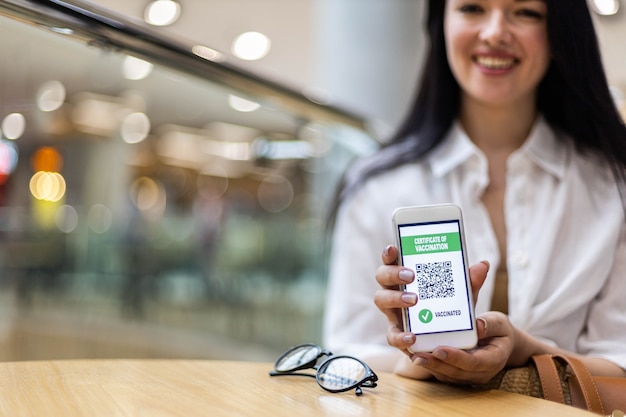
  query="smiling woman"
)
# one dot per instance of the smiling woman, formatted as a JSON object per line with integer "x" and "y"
{"x": 515, "y": 123}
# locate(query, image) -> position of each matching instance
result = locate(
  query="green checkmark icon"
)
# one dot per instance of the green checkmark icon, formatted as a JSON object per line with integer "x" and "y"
{"x": 425, "y": 316}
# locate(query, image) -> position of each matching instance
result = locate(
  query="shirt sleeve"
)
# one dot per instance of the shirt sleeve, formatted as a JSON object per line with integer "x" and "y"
{"x": 605, "y": 333}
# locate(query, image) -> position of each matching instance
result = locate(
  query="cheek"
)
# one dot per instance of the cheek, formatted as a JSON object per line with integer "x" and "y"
{"x": 457, "y": 45}
{"x": 541, "y": 53}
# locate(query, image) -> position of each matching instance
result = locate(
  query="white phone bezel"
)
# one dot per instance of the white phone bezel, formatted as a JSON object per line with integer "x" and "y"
{"x": 462, "y": 339}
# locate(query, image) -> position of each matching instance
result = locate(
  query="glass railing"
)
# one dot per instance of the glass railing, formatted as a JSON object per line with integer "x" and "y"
{"x": 155, "y": 202}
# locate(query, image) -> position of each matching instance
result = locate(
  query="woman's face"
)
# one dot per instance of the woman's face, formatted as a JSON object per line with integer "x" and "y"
{"x": 497, "y": 49}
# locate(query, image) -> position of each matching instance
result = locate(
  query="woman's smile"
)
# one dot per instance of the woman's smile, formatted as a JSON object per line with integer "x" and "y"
{"x": 495, "y": 62}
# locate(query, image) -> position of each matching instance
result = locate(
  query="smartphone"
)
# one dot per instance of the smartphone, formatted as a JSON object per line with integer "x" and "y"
{"x": 431, "y": 241}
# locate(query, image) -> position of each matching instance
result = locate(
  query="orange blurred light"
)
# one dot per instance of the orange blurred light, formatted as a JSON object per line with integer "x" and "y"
{"x": 47, "y": 159}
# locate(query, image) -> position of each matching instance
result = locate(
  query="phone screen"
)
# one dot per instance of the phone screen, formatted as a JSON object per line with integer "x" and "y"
{"x": 435, "y": 252}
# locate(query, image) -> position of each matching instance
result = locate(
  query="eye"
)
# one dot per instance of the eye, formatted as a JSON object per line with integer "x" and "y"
{"x": 470, "y": 8}
{"x": 530, "y": 13}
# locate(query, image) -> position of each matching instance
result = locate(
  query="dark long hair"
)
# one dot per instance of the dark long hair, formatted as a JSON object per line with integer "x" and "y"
{"x": 574, "y": 96}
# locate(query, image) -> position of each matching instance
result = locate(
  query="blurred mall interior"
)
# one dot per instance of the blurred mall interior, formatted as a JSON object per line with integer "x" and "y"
{"x": 165, "y": 185}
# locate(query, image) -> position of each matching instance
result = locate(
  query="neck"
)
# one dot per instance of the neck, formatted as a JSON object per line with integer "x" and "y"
{"x": 497, "y": 128}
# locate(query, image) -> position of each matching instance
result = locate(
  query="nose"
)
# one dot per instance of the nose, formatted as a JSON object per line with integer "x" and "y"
{"x": 496, "y": 31}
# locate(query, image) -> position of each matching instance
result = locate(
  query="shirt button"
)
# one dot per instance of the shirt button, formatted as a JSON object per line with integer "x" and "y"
{"x": 519, "y": 259}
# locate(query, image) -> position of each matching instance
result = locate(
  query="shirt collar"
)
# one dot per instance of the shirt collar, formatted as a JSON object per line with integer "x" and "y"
{"x": 454, "y": 150}
{"x": 545, "y": 149}
{"x": 542, "y": 147}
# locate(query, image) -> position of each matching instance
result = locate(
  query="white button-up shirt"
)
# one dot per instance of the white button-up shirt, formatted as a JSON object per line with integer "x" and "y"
{"x": 566, "y": 240}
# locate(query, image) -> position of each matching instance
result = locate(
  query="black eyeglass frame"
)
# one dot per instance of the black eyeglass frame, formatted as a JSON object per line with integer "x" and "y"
{"x": 368, "y": 381}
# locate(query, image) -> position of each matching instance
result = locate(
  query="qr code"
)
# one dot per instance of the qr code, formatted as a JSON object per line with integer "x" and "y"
{"x": 434, "y": 280}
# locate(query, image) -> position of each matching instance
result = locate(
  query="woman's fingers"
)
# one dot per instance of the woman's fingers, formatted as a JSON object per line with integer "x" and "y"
{"x": 390, "y": 275}
{"x": 390, "y": 255}
{"x": 478, "y": 365}
{"x": 393, "y": 299}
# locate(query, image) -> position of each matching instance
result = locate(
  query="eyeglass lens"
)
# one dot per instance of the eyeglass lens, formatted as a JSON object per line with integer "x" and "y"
{"x": 341, "y": 373}
{"x": 298, "y": 356}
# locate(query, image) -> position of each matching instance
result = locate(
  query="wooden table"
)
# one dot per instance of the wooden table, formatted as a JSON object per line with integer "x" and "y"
{"x": 187, "y": 388}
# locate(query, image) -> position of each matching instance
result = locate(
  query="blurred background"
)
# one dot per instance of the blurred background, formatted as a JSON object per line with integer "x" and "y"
{"x": 167, "y": 168}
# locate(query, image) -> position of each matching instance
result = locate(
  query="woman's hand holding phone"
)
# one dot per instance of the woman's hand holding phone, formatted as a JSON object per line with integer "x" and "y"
{"x": 479, "y": 365}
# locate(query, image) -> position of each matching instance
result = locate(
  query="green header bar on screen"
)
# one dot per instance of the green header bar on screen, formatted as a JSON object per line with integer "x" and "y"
{"x": 423, "y": 244}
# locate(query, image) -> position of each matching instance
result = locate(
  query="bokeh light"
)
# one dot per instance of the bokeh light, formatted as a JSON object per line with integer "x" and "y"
{"x": 13, "y": 126}
{"x": 251, "y": 46}
{"x": 162, "y": 12}
{"x": 47, "y": 159}
{"x": 135, "y": 127}
{"x": 135, "y": 68}
{"x": 51, "y": 96}
{"x": 212, "y": 187}
{"x": 8, "y": 160}
{"x": 66, "y": 218}
{"x": 47, "y": 186}
{"x": 275, "y": 193}
{"x": 99, "y": 218}
{"x": 241, "y": 104}
{"x": 148, "y": 196}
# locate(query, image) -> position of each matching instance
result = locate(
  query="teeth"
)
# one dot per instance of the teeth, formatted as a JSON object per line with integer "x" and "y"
{"x": 495, "y": 63}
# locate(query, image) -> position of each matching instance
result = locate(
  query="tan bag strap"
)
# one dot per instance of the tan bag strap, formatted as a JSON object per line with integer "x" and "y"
{"x": 549, "y": 377}
{"x": 551, "y": 385}
{"x": 586, "y": 384}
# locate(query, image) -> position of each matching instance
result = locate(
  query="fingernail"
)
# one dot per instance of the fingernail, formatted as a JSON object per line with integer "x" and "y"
{"x": 386, "y": 250}
{"x": 440, "y": 354}
{"x": 486, "y": 263}
{"x": 406, "y": 275}
{"x": 419, "y": 361}
{"x": 407, "y": 338}
{"x": 409, "y": 298}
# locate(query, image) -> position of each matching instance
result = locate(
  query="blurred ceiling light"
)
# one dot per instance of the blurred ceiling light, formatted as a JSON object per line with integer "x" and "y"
{"x": 605, "y": 7}
{"x": 135, "y": 68}
{"x": 241, "y": 104}
{"x": 232, "y": 132}
{"x": 135, "y": 127}
{"x": 180, "y": 147}
{"x": 235, "y": 151}
{"x": 96, "y": 114}
{"x": 13, "y": 125}
{"x": 251, "y": 46}
{"x": 188, "y": 148}
{"x": 51, "y": 96}
{"x": 162, "y": 12}
{"x": 208, "y": 53}
{"x": 61, "y": 30}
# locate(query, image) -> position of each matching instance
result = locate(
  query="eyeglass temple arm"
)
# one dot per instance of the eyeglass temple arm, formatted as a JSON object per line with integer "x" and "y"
{"x": 274, "y": 373}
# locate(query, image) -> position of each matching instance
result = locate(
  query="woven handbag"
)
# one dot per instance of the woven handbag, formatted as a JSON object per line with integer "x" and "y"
{"x": 565, "y": 380}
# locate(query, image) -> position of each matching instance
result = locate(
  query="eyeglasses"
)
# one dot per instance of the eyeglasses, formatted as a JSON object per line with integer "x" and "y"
{"x": 335, "y": 374}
